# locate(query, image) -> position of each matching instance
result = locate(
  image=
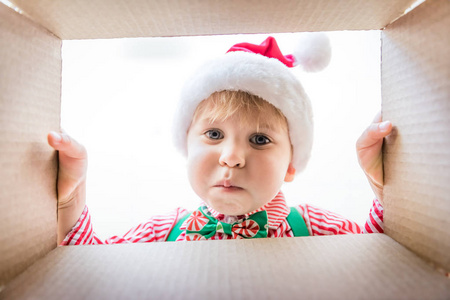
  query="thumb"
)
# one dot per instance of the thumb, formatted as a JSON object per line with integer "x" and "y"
{"x": 66, "y": 145}
{"x": 374, "y": 134}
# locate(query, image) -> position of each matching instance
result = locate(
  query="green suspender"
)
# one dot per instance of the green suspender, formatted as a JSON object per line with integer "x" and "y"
{"x": 294, "y": 219}
{"x": 297, "y": 223}
{"x": 176, "y": 231}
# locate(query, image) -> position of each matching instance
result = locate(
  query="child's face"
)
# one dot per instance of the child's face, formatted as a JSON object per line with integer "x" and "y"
{"x": 233, "y": 167}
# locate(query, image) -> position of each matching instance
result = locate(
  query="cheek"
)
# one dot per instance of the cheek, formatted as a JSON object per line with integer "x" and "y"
{"x": 271, "y": 171}
{"x": 199, "y": 164}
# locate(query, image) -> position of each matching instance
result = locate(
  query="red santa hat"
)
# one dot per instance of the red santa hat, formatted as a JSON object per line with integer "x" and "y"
{"x": 261, "y": 70}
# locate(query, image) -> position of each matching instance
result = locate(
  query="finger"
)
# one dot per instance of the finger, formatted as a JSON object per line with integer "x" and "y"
{"x": 66, "y": 145}
{"x": 374, "y": 134}
{"x": 377, "y": 118}
{"x": 54, "y": 139}
{"x": 384, "y": 128}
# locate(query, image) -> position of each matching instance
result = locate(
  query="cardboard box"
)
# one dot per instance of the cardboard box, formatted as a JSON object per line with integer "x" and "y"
{"x": 408, "y": 262}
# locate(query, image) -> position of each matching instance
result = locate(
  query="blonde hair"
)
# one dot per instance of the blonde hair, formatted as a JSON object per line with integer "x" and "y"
{"x": 224, "y": 104}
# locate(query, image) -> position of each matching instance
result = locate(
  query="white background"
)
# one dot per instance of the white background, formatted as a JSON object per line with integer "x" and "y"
{"x": 118, "y": 99}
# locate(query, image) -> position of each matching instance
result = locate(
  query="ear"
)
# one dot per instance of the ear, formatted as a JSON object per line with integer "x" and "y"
{"x": 290, "y": 173}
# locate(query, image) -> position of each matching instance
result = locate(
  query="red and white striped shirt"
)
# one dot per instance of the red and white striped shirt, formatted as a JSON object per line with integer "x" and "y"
{"x": 157, "y": 228}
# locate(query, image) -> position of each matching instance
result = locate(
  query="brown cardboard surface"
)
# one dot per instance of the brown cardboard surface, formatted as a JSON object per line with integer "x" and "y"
{"x": 338, "y": 267}
{"x": 416, "y": 98}
{"x": 30, "y": 85}
{"x": 415, "y": 94}
{"x": 83, "y": 19}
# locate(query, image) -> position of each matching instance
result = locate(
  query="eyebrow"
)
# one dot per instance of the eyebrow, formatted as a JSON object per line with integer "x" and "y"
{"x": 262, "y": 126}
{"x": 270, "y": 126}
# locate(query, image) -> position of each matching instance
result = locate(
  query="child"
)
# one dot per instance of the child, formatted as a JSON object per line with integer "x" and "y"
{"x": 245, "y": 126}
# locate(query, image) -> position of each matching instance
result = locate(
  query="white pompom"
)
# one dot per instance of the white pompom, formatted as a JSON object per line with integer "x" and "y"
{"x": 313, "y": 51}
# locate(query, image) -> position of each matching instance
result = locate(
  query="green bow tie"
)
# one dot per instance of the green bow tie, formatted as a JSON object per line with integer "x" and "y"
{"x": 202, "y": 225}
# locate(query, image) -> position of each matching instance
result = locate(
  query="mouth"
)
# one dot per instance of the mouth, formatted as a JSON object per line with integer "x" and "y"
{"x": 229, "y": 188}
{"x": 227, "y": 185}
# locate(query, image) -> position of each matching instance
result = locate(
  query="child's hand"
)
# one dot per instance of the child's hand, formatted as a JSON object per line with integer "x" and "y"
{"x": 71, "y": 180}
{"x": 368, "y": 148}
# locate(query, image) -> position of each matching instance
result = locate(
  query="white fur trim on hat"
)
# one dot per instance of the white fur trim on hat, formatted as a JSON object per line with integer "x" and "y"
{"x": 265, "y": 77}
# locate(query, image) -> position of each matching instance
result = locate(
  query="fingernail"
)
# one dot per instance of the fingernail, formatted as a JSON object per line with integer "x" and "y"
{"x": 384, "y": 125}
{"x": 57, "y": 137}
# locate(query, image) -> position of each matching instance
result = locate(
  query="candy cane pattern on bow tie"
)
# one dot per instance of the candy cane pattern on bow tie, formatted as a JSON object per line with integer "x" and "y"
{"x": 196, "y": 221}
{"x": 247, "y": 229}
{"x": 194, "y": 237}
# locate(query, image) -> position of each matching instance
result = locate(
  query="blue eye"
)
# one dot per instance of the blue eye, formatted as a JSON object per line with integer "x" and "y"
{"x": 259, "y": 139}
{"x": 214, "y": 134}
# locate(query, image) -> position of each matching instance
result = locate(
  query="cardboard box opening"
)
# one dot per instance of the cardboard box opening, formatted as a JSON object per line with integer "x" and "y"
{"x": 118, "y": 98}
{"x": 415, "y": 71}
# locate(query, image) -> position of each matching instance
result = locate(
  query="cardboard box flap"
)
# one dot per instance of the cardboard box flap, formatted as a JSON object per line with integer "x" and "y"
{"x": 30, "y": 92}
{"x": 84, "y": 19}
{"x": 350, "y": 266}
{"x": 416, "y": 98}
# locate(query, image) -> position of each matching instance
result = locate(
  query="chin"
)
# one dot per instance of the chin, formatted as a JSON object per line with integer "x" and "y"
{"x": 229, "y": 208}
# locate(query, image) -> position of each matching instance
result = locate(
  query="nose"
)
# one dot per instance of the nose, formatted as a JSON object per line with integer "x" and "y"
{"x": 233, "y": 155}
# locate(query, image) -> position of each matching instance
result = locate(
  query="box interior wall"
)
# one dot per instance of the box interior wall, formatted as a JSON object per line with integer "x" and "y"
{"x": 415, "y": 92}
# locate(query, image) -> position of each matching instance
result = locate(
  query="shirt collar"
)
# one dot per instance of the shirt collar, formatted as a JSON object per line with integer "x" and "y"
{"x": 277, "y": 210}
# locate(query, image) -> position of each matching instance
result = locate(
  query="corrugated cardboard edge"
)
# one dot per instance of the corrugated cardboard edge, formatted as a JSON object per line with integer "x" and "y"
{"x": 416, "y": 98}
{"x": 329, "y": 267}
{"x": 30, "y": 93}
{"x": 81, "y": 19}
